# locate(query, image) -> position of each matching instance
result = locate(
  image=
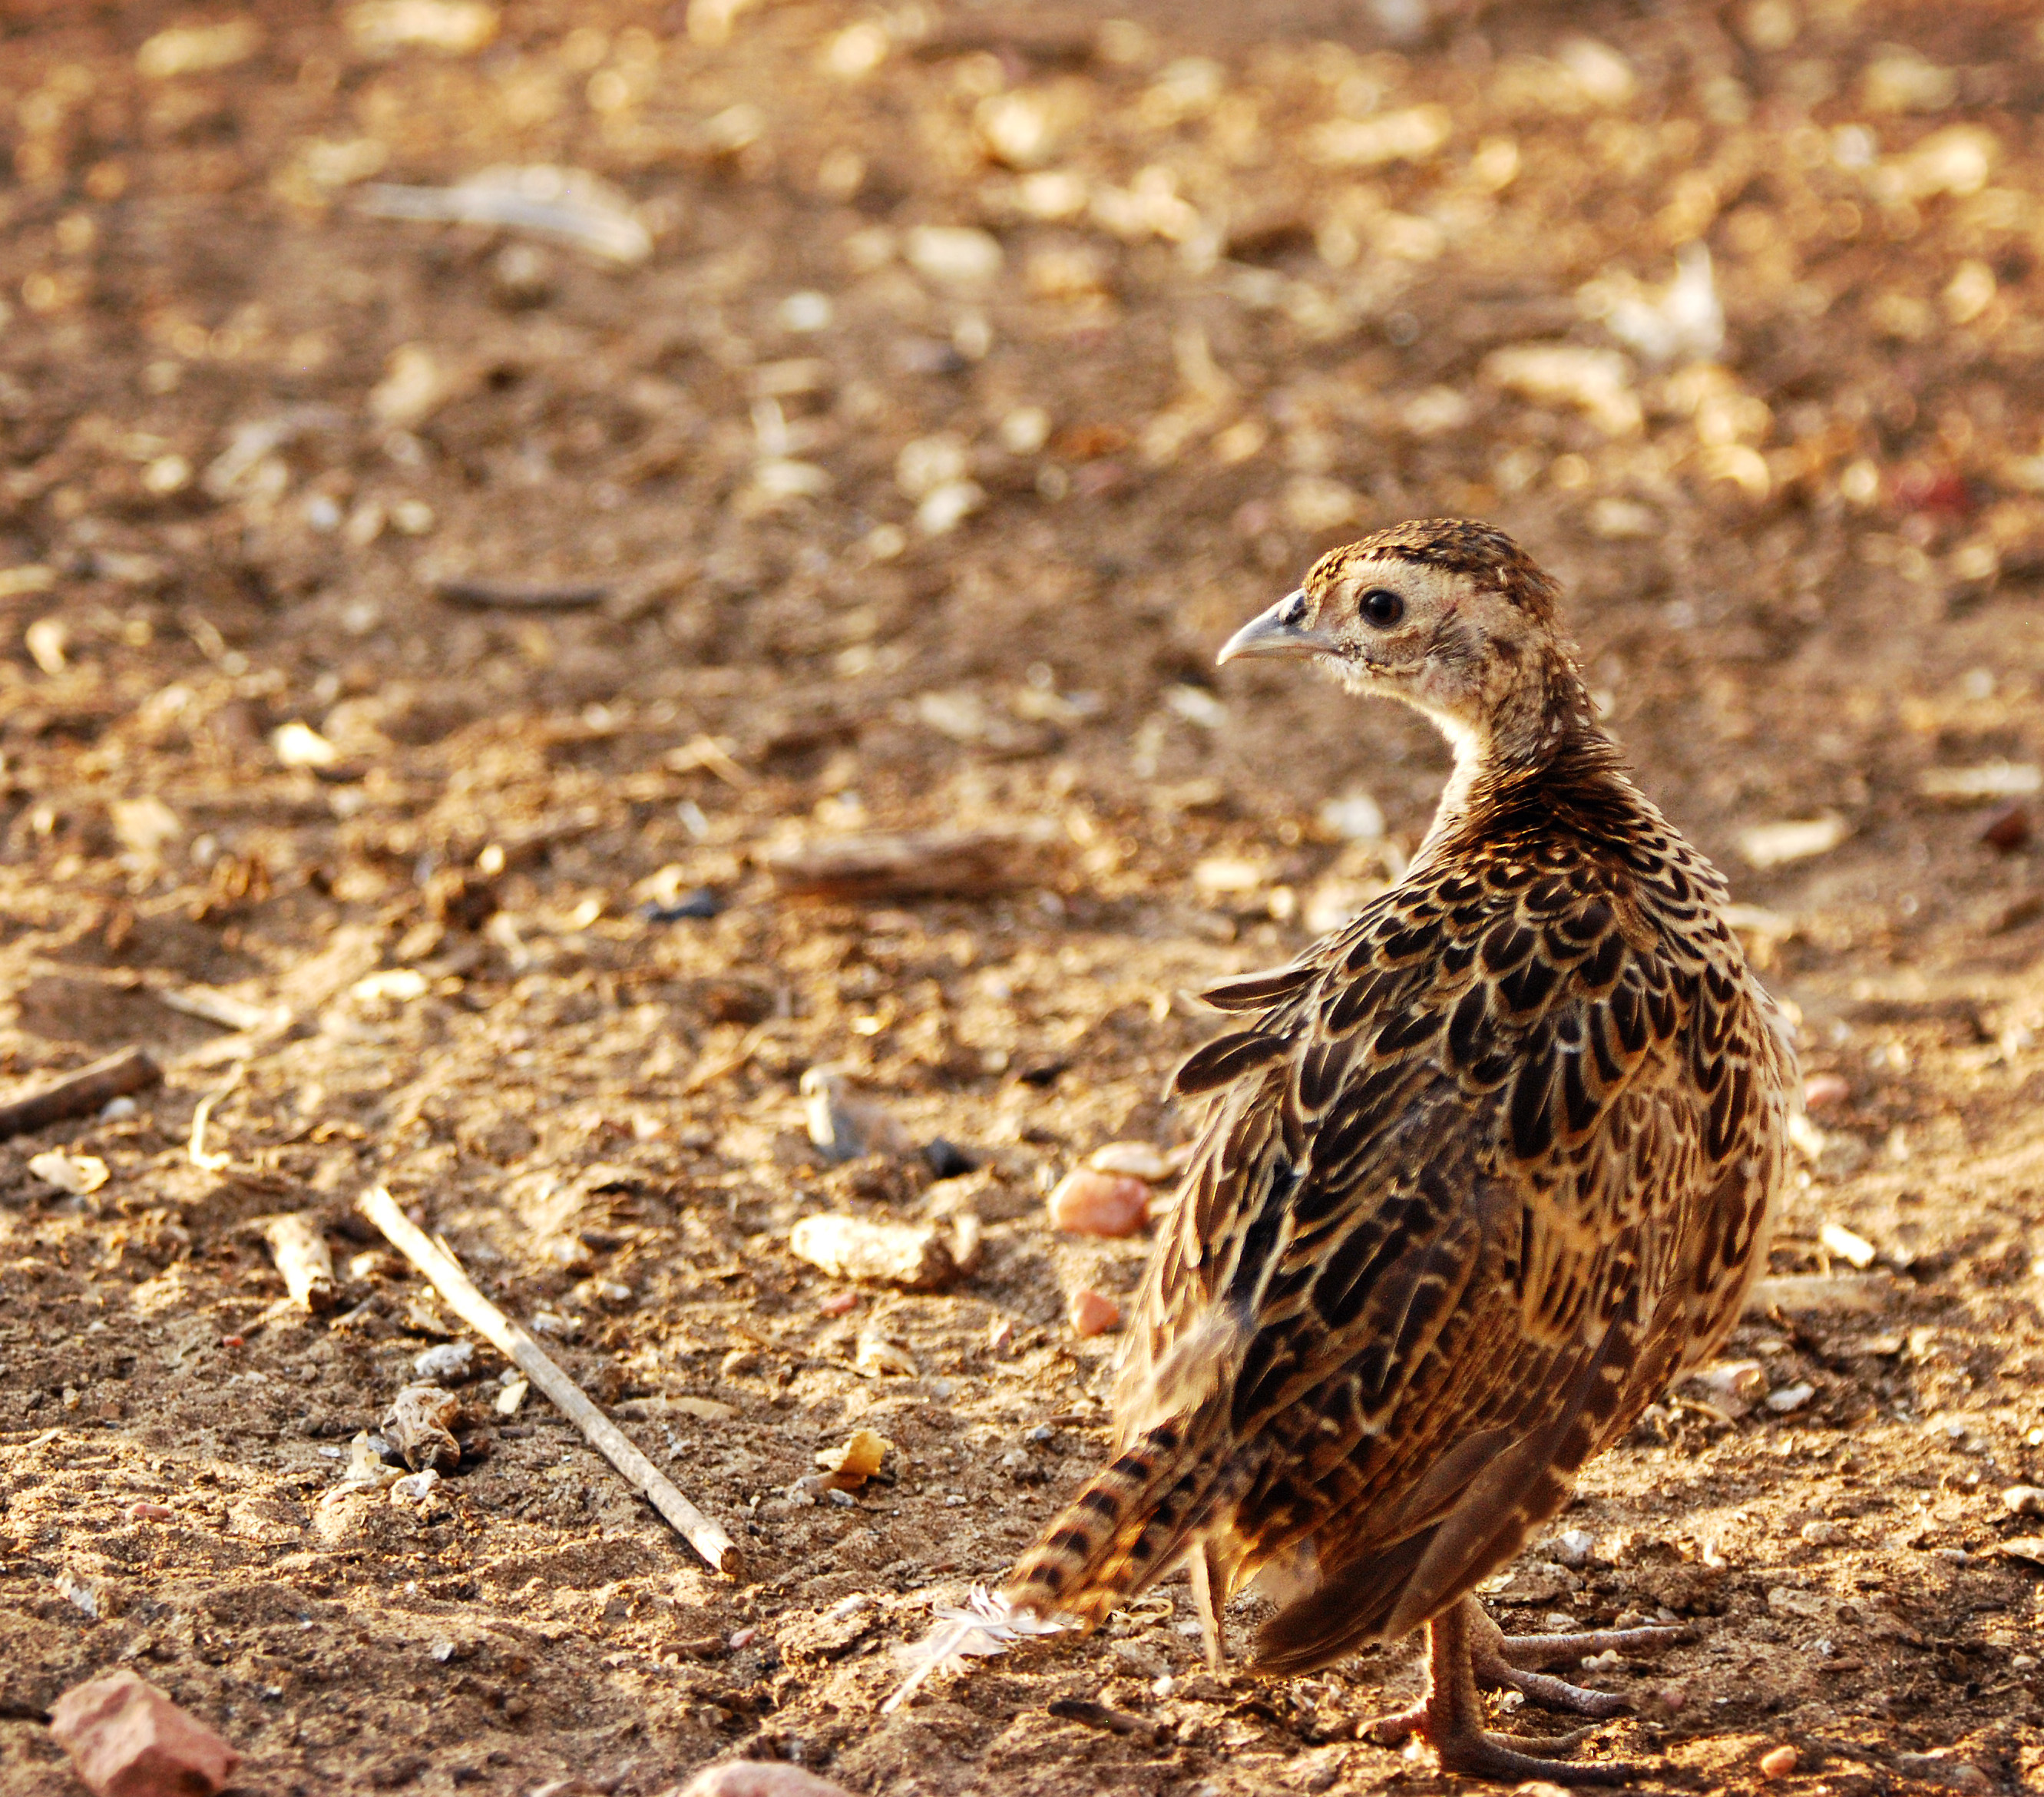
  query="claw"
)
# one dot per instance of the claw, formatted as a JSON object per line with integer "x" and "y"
{"x": 1464, "y": 1645}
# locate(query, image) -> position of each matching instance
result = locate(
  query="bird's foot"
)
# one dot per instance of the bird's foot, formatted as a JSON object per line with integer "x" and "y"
{"x": 1479, "y": 1753}
{"x": 1499, "y": 1659}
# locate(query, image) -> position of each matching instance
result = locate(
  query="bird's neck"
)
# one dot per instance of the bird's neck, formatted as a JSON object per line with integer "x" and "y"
{"x": 1542, "y": 724}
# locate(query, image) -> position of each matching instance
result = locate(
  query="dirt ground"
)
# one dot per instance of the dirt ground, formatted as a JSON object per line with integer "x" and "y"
{"x": 950, "y": 380}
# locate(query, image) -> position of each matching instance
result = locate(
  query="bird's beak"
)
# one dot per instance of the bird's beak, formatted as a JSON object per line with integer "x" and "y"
{"x": 1282, "y": 630}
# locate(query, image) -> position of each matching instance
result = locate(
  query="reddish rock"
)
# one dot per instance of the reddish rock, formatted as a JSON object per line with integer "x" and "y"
{"x": 1094, "y": 1313}
{"x": 1087, "y": 1201}
{"x": 1823, "y": 1091}
{"x": 2009, "y": 829}
{"x": 1778, "y": 1762}
{"x": 126, "y": 1739}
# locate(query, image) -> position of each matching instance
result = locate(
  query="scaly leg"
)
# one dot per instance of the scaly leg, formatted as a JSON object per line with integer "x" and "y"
{"x": 1207, "y": 1581}
{"x": 1463, "y": 1644}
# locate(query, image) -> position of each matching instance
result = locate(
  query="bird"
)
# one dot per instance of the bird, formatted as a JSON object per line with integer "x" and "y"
{"x": 1482, "y": 1172}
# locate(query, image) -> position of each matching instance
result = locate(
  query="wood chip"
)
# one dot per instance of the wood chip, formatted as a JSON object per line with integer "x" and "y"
{"x": 849, "y": 1465}
{"x": 1837, "y": 1239}
{"x": 82, "y": 1094}
{"x": 303, "y": 1259}
{"x": 419, "y": 1424}
{"x": 1866, "y": 1292}
{"x": 931, "y": 864}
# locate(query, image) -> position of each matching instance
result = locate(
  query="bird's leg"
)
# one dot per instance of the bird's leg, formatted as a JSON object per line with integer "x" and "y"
{"x": 1499, "y": 1659}
{"x": 1206, "y": 1582}
{"x": 1449, "y": 1718}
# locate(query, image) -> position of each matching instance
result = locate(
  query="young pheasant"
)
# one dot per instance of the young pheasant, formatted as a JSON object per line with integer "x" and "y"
{"x": 1485, "y": 1170}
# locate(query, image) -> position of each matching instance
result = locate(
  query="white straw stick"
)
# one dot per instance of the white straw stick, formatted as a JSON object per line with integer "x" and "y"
{"x": 532, "y": 1359}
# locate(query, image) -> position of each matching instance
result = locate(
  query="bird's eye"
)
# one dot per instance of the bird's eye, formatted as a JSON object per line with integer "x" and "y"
{"x": 1381, "y": 607}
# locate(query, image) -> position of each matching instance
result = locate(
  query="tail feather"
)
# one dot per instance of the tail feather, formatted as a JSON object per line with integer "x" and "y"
{"x": 1128, "y": 1526}
{"x": 1129, "y": 1523}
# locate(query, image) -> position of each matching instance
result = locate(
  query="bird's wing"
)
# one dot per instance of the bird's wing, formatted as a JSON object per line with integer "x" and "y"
{"x": 1471, "y": 1186}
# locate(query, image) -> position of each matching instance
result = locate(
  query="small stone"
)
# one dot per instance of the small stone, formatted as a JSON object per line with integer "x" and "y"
{"x": 507, "y": 1401}
{"x": 1790, "y": 1398}
{"x": 1733, "y": 1387}
{"x": 1940, "y": 1767}
{"x": 946, "y": 1160}
{"x": 1086, "y": 1201}
{"x": 1778, "y": 1762}
{"x": 697, "y": 907}
{"x": 2023, "y": 1500}
{"x": 760, "y": 1778}
{"x": 1824, "y": 1091}
{"x": 1848, "y": 1245}
{"x": 2010, "y": 828}
{"x": 1138, "y": 1161}
{"x": 838, "y": 1304}
{"x": 127, "y": 1739}
{"x": 849, "y": 1247}
{"x": 1573, "y": 1547}
{"x": 450, "y": 1360}
{"x": 1822, "y": 1534}
{"x": 1094, "y": 1313}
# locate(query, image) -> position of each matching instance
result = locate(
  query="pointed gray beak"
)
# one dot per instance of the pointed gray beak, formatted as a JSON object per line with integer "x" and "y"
{"x": 1282, "y": 630}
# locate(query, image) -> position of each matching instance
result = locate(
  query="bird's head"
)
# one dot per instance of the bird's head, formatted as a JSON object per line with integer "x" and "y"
{"x": 1450, "y": 616}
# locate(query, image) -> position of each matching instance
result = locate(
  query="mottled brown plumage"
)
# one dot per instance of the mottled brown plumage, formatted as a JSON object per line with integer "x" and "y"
{"x": 1483, "y": 1170}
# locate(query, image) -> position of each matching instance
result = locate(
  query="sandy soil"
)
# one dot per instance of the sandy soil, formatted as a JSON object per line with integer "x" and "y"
{"x": 962, "y": 376}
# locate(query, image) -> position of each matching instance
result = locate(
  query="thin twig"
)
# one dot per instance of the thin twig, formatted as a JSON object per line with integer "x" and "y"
{"x": 200, "y": 1159}
{"x": 82, "y": 1094}
{"x": 506, "y": 595}
{"x": 440, "y": 1266}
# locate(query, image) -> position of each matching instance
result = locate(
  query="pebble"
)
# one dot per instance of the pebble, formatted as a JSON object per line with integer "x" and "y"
{"x": 2023, "y": 1500}
{"x": 1821, "y": 1091}
{"x": 838, "y": 1304}
{"x": 450, "y": 1360}
{"x": 1086, "y": 1201}
{"x": 760, "y": 1778}
{"x": 1848, "y": 1245}
{"x": 1733, "y": 1387}
{"x": 1093, "y": 1313}
{"x": 127, "y": 1739}
{"x": 1823, "y": 1534}
{"x": 704, "y": 902}
{"x": 1139, "y": 1160}
{"x": 142, "y": 1511}
{"x": 946, "y": 1160}
{"x": 1573, "y": 1547}
{"x": 849, "y": 1247}
{"x": 1778, "y": 1762}
{"x": 1790, "y": 1398}
{"x": 1944, "y": 1768}
{"x": 743, "y": 1637}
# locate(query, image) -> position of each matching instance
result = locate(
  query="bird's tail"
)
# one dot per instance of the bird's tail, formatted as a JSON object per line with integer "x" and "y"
{"x": 1124, "y": 1529}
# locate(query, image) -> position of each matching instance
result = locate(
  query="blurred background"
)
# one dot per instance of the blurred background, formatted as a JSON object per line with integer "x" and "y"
{"x": 491, "y": 495}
